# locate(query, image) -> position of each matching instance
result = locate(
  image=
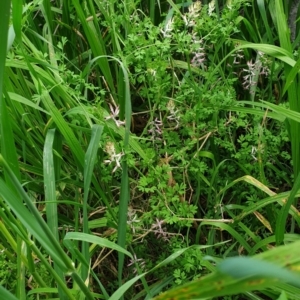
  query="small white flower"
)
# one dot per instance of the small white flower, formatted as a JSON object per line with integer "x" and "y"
{"x": 238, "y": 55}
{"x": 159, "y": 230}
{"x": 250, "y": 75}
{"x": 198, "y": 58}
{"x": 114, "y": 115}
{"x": 141, "y": 262}
{"x": 132, "y": 218}
{"x": 211, "y": 7}
{"x": 173, "y": 113}
{"x": 254, "y": 69}
{"x": 193, "y": 14}
{"x": 253, "y": 152}
{"x": 168, "y": 28}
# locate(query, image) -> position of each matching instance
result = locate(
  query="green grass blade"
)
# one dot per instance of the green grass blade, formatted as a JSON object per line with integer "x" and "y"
{"x": 4, "y": 22}
{"x": 290, "y": 114}
{"x": 124, "y": 193}
{"x": 282, "y": 218}
{"x": 30, "y": 223}
{"x": 293, "y": 90}
{"x": 71, "y": 139}
{"x": 5, "y": 294}
{"x": 17, "y": 7}
{"x": 64, "y": 128}
{"x": 219, "y": 284}
{"x": 37, "y": 226}
{"x": 96, "y": 43}
{"x": 262, "y": 9}
{"x": 8, "y": 148}
{"x": 49, "y": 183}
{"x": 122, "y": 224}
{"x": 32, "y": 220}
{"x": 120, "y": 292}
{"x": 89, "y": 238}
{"x": 282, "y": 27}
{"x": 57, "y": 159}
{"x": 89, "y": 162}
{"x": 232, "y": 232}
{"x": 243, "y": 267}
{"x": 50, "y": 195}
{"x": 73, "y": 248}
{"x": 291, "y": 77}
{"x": 280, "y": 198}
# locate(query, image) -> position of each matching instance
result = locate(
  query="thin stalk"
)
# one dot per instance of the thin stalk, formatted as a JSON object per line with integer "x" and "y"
{"x": 56, "y": 276}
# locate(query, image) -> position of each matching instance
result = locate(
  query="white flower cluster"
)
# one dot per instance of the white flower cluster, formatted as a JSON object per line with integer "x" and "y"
{"x": 254, "y": 70}
{"x": 156, "y": 129}
{"x": 113, "y": 156}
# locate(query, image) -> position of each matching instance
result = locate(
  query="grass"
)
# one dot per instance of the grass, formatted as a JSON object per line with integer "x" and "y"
{"x": 149, "y": 150}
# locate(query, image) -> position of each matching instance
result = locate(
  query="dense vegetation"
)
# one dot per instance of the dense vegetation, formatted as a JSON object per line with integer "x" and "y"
{"x": 149, "y": 149}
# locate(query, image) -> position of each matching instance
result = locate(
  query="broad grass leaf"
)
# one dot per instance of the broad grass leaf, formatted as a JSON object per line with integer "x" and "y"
{"x": 5, "y": 294}
{"x": 248, "y": 267}
{"x": 235, "y": 275}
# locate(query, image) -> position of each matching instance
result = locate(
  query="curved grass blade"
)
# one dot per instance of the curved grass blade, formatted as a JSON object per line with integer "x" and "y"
{"x": 280, "y": 198}
{"x": 232, "y": 232}
{"x": 89, "y": 238}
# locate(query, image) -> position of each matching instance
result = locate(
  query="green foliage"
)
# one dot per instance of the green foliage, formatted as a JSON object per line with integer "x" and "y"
{"x": 137, "y": 156}
{"x": 8, "y": 273}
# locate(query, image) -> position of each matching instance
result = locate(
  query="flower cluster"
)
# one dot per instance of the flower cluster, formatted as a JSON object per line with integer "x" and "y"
{"x": 155, "y": 129}
{"x": 139, "y": 261}
{"x": 113, "y": 156}
{"x": 132, "y": 219}
{"x": 115, "y": 115}
{"x": 168, "y": 28}
{"x": 173, "y": 113}
{"x": 193, "y": 14}
{"x": 238, "y": 56}
{"x": 198, "y": 59}
{"x": 160, "y": 230}
{"x": 254, "y": 70}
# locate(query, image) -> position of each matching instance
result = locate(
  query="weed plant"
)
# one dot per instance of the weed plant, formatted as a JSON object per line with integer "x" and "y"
{"x": 149, "y": 149}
